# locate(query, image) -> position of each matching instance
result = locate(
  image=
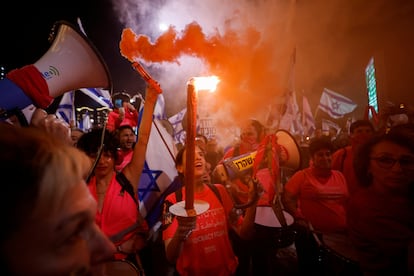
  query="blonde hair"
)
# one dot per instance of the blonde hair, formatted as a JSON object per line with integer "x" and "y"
{"x": 64, "y": 167}
{"x": 37, "y": 171}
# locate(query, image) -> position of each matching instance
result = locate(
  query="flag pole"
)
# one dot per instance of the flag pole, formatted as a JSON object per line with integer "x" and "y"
{"x": 156, "y": 127}
{"x": 73, "y": 123}
{"x": 316, "y": 112}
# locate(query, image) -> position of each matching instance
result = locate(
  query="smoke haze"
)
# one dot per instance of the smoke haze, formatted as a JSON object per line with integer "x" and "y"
{"x": 249, "y": 46}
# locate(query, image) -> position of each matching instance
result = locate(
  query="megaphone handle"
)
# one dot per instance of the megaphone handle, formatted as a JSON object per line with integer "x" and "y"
{"x": 257, "y": 195}
{"x": 30, "y": 82}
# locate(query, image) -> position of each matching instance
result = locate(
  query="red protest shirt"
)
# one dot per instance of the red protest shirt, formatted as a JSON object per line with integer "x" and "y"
{"x": 322, "y": 204}
{"x": 119, "y": 211}
{"x": 208, "y": 250}
{"x": 130, "y": 118}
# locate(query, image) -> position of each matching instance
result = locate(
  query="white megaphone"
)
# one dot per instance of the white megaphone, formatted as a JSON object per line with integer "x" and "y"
{"x": 234, "y": 167}
{"x": 72, "y": 62}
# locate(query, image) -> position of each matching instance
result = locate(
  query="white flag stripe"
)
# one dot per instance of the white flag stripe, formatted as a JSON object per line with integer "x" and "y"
{"x": 160, "y": 156}
{"x": 297, "y": 127}
{"x": 100, "y": 96}
{"x": 326, "y": 125}
{"x": 176, "y": 122}
{"x": 290, "y": 121}
{"x": 336, "y": 105}
{"x": 286, "y": 122}
{"x": 177, "y": 118}
{"x": 85, "y": 122}
{"x": 159, "y": 109}
{"x": 65, "y": 108}
{"x": 308, "y": 120}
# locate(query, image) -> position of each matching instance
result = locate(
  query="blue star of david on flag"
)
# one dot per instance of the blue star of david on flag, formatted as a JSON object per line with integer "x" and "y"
{"x": 336, "y": 105}
{"x": 148, "y": 182}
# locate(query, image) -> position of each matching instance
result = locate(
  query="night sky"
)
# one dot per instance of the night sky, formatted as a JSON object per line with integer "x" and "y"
{"x": 26, "y": 27}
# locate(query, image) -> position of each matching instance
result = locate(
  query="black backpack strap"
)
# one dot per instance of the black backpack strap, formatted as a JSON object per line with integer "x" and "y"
{"x": 138, "y": 227}
{"x": 179, "y": 193}
{"x": 215, "y": 191}
{"x": 126, "y": 185}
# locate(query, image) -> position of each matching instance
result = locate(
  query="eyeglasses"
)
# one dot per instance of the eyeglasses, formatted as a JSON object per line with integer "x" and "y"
{"x": 385, "y": 162}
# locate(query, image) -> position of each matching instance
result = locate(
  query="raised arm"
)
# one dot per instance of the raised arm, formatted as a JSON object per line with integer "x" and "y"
{"x": 133, "y": 170}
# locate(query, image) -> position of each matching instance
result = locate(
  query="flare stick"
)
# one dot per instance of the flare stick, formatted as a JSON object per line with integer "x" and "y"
{"x": 147, "y": 77}
{"x": 190, "y": 147}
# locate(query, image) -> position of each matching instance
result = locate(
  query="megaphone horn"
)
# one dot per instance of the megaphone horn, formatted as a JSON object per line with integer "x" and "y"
{"x": 72, "y": 62}
{"x": 290, "y": 148}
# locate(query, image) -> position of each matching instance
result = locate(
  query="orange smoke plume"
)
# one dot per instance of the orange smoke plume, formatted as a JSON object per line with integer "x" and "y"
{"x": 242, "y": 59}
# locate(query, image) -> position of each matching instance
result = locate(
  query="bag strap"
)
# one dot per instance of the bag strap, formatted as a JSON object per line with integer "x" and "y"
{"x": 126, "y": 185}
{"x": 216, "y": 191}
{"x": 179, "y": 193}
{"x": 278, "y": 210}
{"x": 118, "y": 236}
{"x": 267, "y": 155}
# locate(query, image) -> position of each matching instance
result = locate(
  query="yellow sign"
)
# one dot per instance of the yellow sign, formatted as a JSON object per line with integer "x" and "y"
{"x": 239, "y": 164}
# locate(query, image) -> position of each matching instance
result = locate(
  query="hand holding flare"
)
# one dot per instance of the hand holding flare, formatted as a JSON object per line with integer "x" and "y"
{"x": 151, "y": 95}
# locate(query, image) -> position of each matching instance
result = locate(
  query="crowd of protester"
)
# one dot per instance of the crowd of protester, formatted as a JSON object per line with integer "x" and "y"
{"x": 71, "y": 201}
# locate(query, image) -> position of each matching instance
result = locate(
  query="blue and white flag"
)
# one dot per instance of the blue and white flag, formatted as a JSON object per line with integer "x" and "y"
{"x": 158, "y": 172}
{"x": 308, "y": 121}
{"x": 176, "y": 122}
{"x": 85, "y": 115}
{"x": 66, "y": 108}
{"x": 101, "y": 96}
{"x": 290, "y": 121}
{"x": 159, "y": 108}
{"x": 327, "y": 125}
{"x": 336, "y": 105}
{"x": 67, "y": 111}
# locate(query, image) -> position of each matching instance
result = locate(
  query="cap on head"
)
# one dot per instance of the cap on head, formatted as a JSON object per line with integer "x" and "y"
{"x": 320, "y": 143}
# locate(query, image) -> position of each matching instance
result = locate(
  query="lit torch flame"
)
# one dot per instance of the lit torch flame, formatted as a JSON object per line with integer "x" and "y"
{"x": 193, "y": 85}
{"x": 205, "y": 83}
